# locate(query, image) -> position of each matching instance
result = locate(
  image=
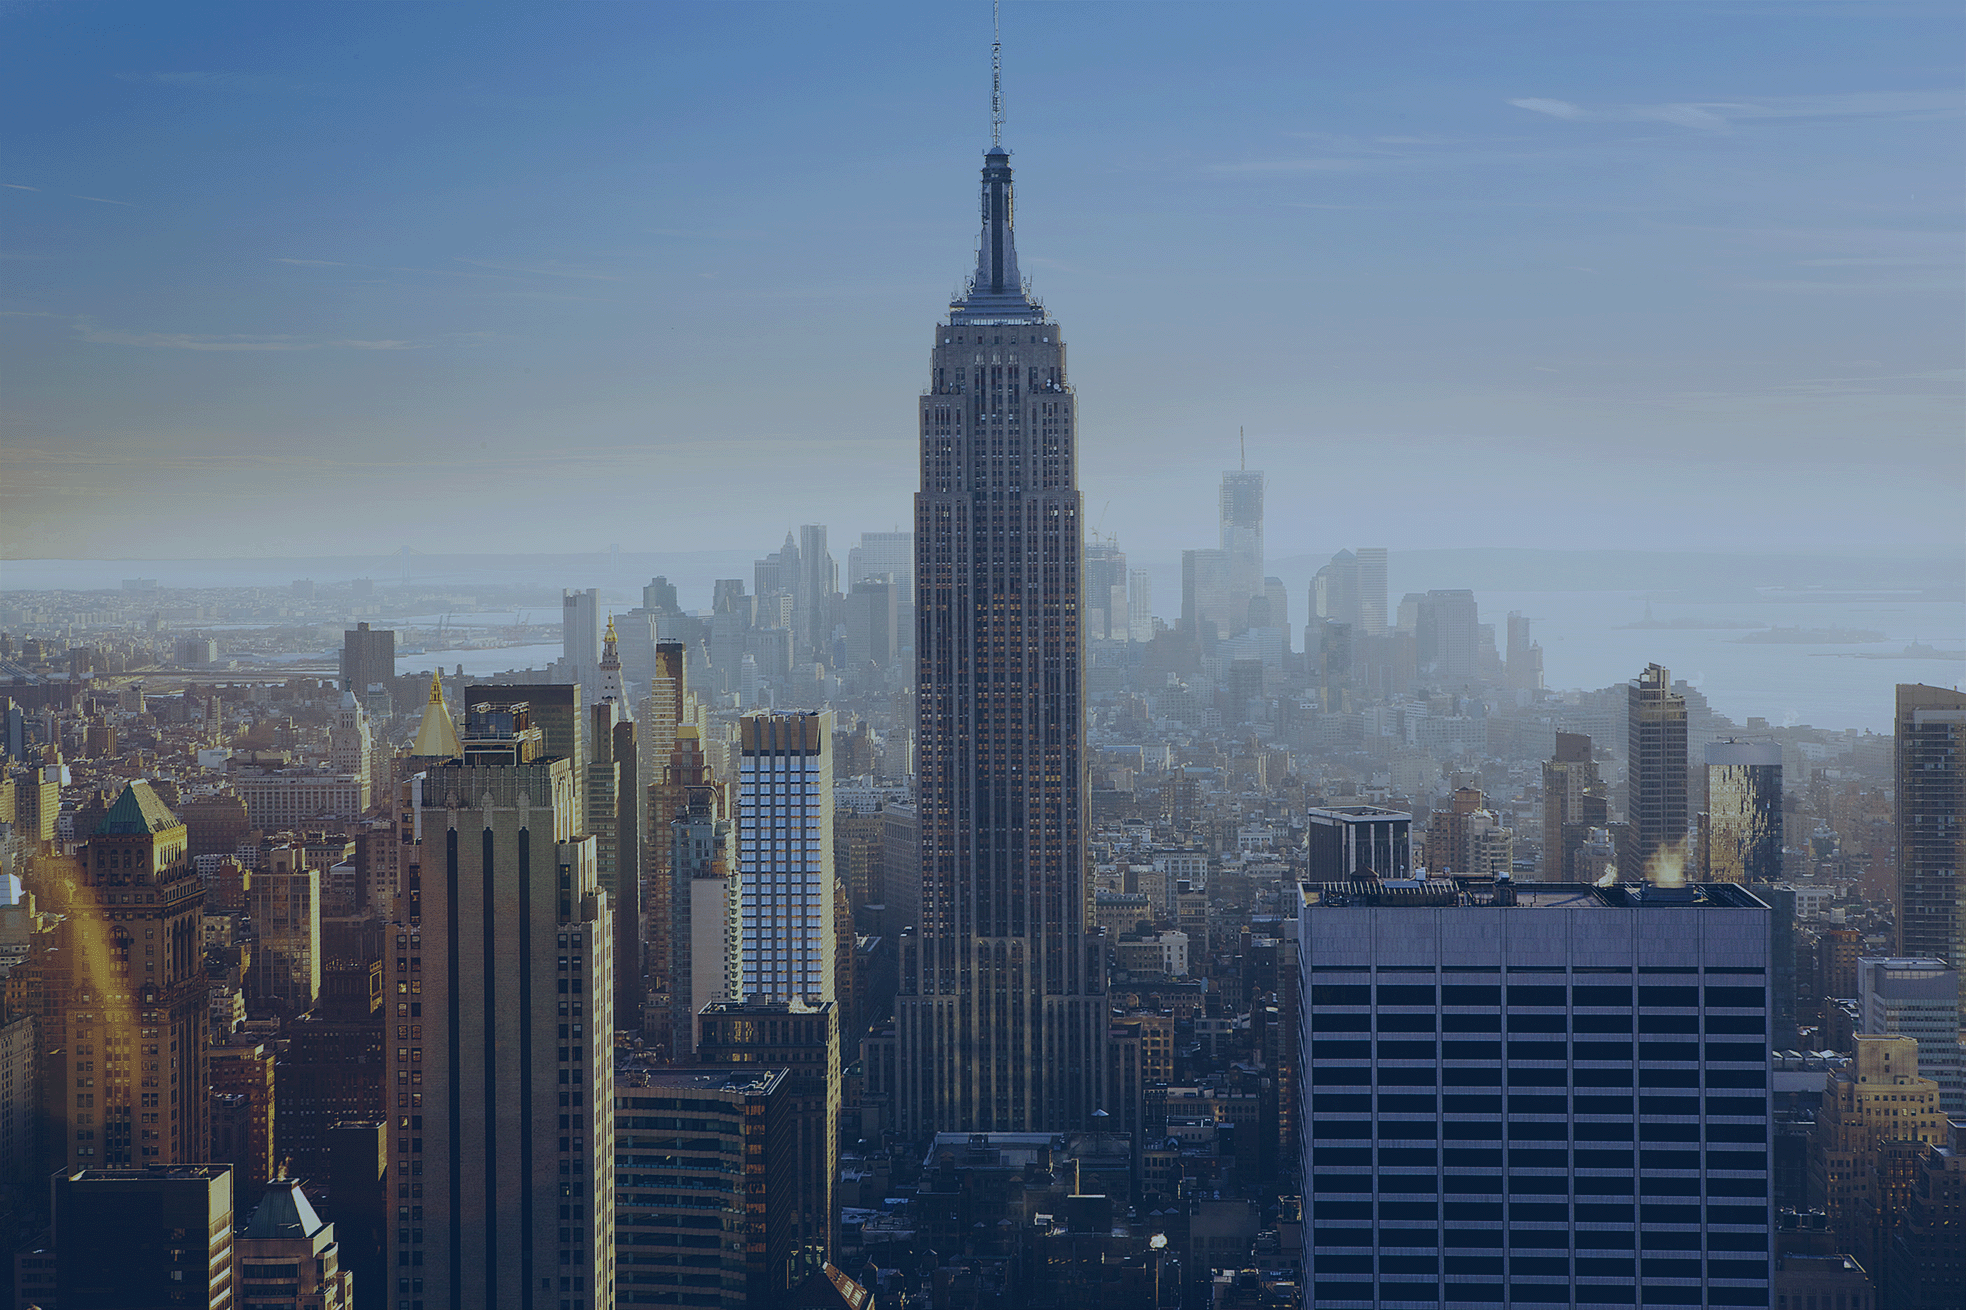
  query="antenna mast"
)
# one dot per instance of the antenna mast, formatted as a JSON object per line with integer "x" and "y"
{"x": 1243, "y": 442}
{"x": 996, "y": 75}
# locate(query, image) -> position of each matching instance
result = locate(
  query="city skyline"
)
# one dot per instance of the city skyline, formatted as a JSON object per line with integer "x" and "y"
{"x": 377, "y": 253}
{"x": 927, "y": 921}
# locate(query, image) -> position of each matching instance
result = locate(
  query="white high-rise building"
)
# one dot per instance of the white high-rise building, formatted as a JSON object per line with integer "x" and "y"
{"x": 1139, "y": 605}
{"x": 785, "y": 856}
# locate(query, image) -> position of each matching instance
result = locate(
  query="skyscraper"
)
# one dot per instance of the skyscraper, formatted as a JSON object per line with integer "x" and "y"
{"x": 1241, "y": 525}
{"x": 1744, "y": 812}
{"x": 1208, "y": 596}
{"x": 614, "y": 802}
{"x": 1000, "y": 1022}
{"x": 1655, "y": 778}
{"x": 1139, "y": 605}
{"x": 1918, "y": 999}
{"x": 669, "y": 707}
{"x": 160, "y": 1235}
{"x": 368, "y": 657}
{"x": 785, "y": 855}
{"x": 703, "y": 955}
{"x": 1334, "y": 591}
{"x": 1574, "y": 802}
{"x": 1524, "y": 658}
{"x": 893, "y": 554}
{"x": 1931, "y": 791}
{"x": 502, "y": 1122}
{"x": 1372, "y": 590}
{"x": 1476, "y": 1136}
{"x": 125, "y": 1024}
{"x": 1447, "y": 631}
{"x": 812, "y": 594}
{"x": 580, "y": 634}
{"x": 1105, "y": 614}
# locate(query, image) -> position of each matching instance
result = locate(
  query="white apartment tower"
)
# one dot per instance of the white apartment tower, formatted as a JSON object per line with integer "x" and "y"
{"x": 785, "y": 856}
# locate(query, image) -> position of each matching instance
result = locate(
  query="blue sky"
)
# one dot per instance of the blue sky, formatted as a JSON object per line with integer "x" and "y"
{"x": 308, "y": 279}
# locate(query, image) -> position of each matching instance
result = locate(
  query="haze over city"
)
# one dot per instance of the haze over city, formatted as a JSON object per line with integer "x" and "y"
{"x": 1498, "y": 260}
{"x": 582, "y": 699}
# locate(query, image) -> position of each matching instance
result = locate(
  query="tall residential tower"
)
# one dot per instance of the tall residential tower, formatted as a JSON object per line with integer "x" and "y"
{"x": 1000, "y": 1020}
{"x": 1655, "y": 775}
{"x": 1931, "y": 795}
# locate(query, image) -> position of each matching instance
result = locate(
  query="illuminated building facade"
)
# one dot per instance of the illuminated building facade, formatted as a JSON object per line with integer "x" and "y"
{"x": 1743, "y": 834}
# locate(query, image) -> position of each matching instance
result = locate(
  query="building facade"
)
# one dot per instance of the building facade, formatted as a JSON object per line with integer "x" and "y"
{"x": 1919, "y": 999}
{"x": 125, "y": 1010}
{"x": 500, "y": 1025}
{"x": 1359, "y": 841}
{"x": 1931, "y": 803}
{"x": 1000, "y": 1017}
{"x": 706, "y": 1219}
{"x": 1575, "y": 800}
{"x": 1240, "y": 516}
{"x": 803, "y": 1039}
{"x": 288, "y": 1258}
{"x": 152, "y": 1237}
{"x": 1742, "y": 837}
{"x": 1557, "y": 1093}
{"x": 368, "y": 658}
{"x": 1655, "y": 773}
{"x": 785, "y": 856}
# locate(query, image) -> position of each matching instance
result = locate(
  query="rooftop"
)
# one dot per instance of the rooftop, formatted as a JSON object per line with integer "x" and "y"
{"x": 1504, "y": 893}
{"x": 193, "y": 1172}
{"x": 138, "y": 810}
{"x": 736, "y": 1081}
{"x": 283, "y": 1212}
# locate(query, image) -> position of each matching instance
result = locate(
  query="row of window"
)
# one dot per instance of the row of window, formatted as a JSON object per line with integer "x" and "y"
{"x": 1537, "y": 994}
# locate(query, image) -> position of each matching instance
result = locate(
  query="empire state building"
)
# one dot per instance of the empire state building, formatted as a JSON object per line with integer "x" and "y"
{"x": 1001, "y": 1020}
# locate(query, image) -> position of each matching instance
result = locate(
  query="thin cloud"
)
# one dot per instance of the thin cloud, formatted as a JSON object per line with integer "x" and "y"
{"x": 1324, "y": 165}
{"x": 1874, "y": 262}
{"x": 1721, "y": 115}
{"x": 104, "y": 200}
{"x": 313, "y": 263}
{"x": 187, "y": 340}
{"x": 233, "y": 342}
{"x": 552, "y": 268}
{"x": 19, "y": 186}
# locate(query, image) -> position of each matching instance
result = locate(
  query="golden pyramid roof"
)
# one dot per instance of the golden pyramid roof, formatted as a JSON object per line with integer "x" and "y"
{"x": 436, "y": 736}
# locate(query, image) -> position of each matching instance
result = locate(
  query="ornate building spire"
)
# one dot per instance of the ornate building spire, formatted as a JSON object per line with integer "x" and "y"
{"x": 996, "y": 293}
{"x": 436, "y": 736}
{"x": 611, "y": 688}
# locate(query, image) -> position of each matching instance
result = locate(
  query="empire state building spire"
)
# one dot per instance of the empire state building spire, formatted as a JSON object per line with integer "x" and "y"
{"x": 996, "y": 293}
{"x": 1001, "y": 1021}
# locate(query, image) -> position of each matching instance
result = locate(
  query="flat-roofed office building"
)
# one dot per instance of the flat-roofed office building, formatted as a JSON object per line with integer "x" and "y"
{"x": 1551, "y": 1094}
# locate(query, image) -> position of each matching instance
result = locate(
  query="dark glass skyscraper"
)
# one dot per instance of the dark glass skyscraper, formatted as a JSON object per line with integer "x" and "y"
{"x": 1000, "y": 1021}
{"x": 1655, "y": 775}
{"x": 1744, "y": 812}
{"x": 1931, "y": 802}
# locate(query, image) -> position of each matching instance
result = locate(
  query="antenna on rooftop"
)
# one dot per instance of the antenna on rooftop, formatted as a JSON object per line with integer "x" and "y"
{"x": 996, "y": 75}
{"x": 1243, "y": 442}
